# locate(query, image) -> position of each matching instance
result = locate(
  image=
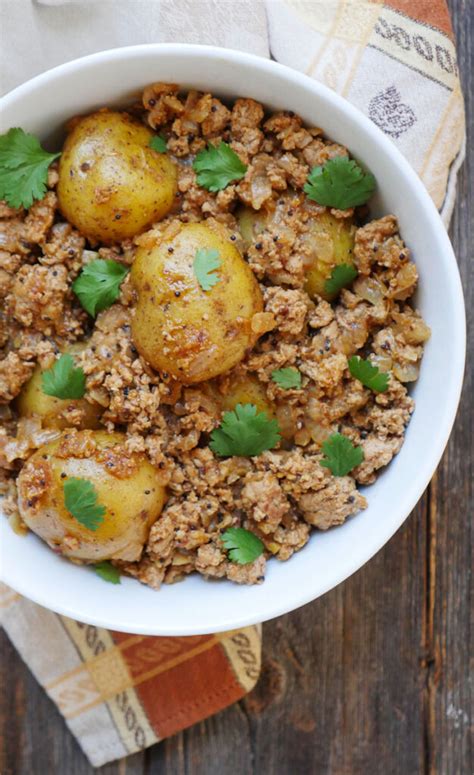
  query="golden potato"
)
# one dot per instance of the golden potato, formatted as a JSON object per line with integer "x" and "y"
{"x": 179, "y": 328}
{"x": 331, "y": 241}
{"x": 247, "y": 390}
{"x": 57, "y": 412}
{"x": 127, "y": 485}
{"x": 112, "y": 185}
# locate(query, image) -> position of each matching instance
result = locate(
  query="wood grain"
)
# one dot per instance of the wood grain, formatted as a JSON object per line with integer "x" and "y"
{"x": 449, "y": 693}
{"x": 375, "y": 677}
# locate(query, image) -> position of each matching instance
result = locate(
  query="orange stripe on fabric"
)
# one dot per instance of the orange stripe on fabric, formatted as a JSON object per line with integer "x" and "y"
{"x": 180, "y": 658}
{"x": 184, "y": 695}
{"x": 157, "y": 670}
{"x": 153, "y": 652}
{"x": 432, "y": 12}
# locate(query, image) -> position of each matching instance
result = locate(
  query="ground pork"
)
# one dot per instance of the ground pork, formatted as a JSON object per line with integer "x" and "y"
{"x": 378, "y": 453}
{"x": 332, "y": 504}
{"x": 64, "y": 246}
{"x": 211, "y": 562}
{"x": 40, "y": 218}
{"x": 264, "y": 501}
{"x": 289, "y": 309}
{"x": 38, "y": 299}
{"x": 13, "y": 374}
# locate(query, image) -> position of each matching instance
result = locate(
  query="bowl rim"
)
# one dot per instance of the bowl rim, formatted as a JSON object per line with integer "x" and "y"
{"x": 457, "y": 357}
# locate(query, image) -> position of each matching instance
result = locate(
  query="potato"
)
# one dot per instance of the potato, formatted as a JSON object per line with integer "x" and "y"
{"x": 54, "y": 411}
{"x": 332, "y": 241}
{"x": 247, "y": 390}
{"x": 127, "y": 485}
{"x": 179, "y": 328}
{"x": 112, "y": 185}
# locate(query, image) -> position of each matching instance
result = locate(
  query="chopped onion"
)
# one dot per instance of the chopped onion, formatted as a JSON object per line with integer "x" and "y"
{"x": 371, "y": 289}
{"x": 383, "y": 362}
{"x": 407, "y": 372}
{"x": 403, "y": 285}
{"x": 260, "y": 191}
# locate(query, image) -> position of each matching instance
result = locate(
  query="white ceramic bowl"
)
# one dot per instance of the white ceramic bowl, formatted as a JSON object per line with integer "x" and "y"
{"x": 41, "y": 106}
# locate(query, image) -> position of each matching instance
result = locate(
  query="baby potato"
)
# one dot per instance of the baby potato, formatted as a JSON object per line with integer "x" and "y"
{"x": 112, "y": 185}
{"x": 179, "y": 328}
{"x": 331, "y": 241}
{"x": 54, "y": 411}
{"x": 247, "y": 390}
{"x": 126, "y": 484}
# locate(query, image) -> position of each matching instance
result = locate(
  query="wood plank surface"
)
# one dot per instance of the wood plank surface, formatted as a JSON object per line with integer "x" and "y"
{"x": 449, "y": 693}
{"x": 376, "y": 676}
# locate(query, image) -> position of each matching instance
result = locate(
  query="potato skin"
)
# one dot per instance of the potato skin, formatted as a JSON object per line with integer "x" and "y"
{"x": 332, "y": 243}
{"x": 178, "y": 327}
{"x": 247, "y": 390}
{"x": 53, "y": 411}
{"x": 330, "y": 240}
{"x": 133, "y": 499}
{"x": 112, "y": 185}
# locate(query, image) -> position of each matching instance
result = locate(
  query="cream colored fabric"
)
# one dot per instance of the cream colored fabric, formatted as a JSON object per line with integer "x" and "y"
{"x": 395, "y": 66}
{"x": 397, "y": 69}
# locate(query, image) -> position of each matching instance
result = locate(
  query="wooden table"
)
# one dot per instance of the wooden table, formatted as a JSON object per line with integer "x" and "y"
{"x": 373, "y": 677}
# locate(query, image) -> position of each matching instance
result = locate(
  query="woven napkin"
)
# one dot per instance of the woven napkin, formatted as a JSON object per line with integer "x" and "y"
{"x": 396, "y": 61}
{"x": 119, "y": 693}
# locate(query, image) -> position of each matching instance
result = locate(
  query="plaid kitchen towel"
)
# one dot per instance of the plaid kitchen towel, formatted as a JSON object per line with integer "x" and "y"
{"x": 119, "y": 693}
{"x": 395, "y": 61}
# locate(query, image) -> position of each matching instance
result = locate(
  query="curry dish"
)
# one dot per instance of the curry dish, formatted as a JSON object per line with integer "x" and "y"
{"x": 206, "y": 342}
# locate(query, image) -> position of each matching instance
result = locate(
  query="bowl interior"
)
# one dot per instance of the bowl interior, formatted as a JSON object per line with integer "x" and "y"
{"x": 197, "y": 606}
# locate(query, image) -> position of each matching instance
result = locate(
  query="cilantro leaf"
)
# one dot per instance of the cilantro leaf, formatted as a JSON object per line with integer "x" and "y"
{"x": 341, "y": 456}
{"x": 341, "y": 276}
{"x": 158, "y": 143}
{"x": 205, "y": 262}
{"x": 23, "y": 168}
{"x": 98, "y": 285}
{"x": 245, "y": 432}
{"x": 287, "y": 378}
{"x": 340, "y": 183}
{"x": 217, "y": 166}
{"x": 80, "y": 499}
{"x": 108, "y": 572}
{"x": 242, "y": 545}
{"x": 63, "y": 380}
{"x": 368, "y": 374}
